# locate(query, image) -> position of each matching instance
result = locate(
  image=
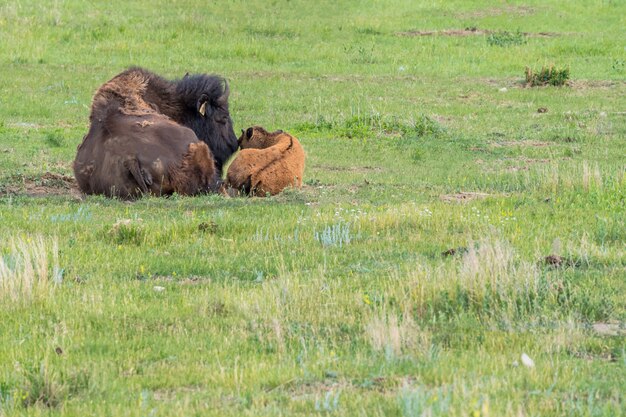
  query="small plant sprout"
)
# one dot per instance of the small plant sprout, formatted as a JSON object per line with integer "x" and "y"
{"x": 551, "y": 75}
{"x": 329, "y": 403}
{"x": 335, "y": 235}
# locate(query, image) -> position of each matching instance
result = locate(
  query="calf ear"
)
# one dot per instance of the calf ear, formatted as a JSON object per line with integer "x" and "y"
{"x": 249, "y": 132}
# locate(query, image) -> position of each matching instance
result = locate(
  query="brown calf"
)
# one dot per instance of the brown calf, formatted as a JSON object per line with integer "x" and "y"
{"x": 267, "y": 163}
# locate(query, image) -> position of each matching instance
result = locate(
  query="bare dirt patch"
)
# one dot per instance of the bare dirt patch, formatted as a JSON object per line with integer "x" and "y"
{"x": 463, "y": 197}
{"x": 188, "y": 280}
{"x": 446, "y": 32}
{"x": 557, "y": 261}
{"x": 596, "y": 84}
{"x": 49, "y": 184}
{"x": 523, "y": 143}
{"x": 461, "y": 250}
{"x": 478, "y": 149}
{"x": 532, "y": 160}
{"x": 526, "y": 163}
{"x": 554, "y": 260}
{"x": 470, "y": 32}
{"x": 609, "y": 329}
{"x": 299, "y": 390}
{"x": 442, "y": 120}
{"x": 516, "y": 169}
{"x": 520, "y": 163}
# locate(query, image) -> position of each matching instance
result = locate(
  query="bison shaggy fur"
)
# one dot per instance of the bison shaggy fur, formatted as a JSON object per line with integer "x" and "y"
{"x": 267, "y": 162}
{"x": 148, "y": 135}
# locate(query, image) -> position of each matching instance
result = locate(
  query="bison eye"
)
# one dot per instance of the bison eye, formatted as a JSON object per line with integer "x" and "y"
{"x": 221, "y": 120}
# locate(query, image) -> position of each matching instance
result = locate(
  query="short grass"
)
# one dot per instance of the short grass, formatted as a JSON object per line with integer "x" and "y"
{"x": 406, "y": 278}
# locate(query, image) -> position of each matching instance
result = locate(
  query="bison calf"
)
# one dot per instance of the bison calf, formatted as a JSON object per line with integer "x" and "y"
{"x": 267, "y": 163}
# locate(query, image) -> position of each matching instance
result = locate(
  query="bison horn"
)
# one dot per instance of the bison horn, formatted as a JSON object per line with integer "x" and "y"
{"x": 223, "y": 100}
{"x": 202, "y": 109}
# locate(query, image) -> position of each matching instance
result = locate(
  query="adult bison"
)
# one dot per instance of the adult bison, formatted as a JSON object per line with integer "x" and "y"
{"x": 149, "y": 135}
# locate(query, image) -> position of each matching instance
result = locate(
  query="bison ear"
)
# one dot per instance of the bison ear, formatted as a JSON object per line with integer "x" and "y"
{"x": 201, "y": 105}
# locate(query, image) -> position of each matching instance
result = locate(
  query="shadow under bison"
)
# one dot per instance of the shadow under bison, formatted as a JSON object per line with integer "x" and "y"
{"x": 149, "y": 135}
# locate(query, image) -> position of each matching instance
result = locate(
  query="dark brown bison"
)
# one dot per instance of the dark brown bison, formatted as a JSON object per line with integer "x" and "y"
{"x": 267, "y": 163}
{"x": 149, "y": 135}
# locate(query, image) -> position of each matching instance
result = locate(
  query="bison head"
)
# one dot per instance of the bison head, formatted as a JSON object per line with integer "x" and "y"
{"x": 205, "y": 111}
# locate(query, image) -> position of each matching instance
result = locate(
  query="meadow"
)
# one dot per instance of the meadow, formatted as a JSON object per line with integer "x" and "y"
{"x": 458, "y": 247}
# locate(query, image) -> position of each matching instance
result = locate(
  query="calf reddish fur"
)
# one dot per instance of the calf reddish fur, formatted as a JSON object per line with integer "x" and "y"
{"x": 133, "y": 149}
{"x": 267, "y": 163}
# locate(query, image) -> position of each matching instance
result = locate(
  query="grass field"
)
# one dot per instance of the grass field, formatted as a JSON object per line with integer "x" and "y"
{"x": 406, "y": 278}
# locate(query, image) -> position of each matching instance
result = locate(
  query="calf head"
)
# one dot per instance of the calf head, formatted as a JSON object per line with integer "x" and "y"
{"x": 257, "y": 137}
{"x": 205, "y": 102}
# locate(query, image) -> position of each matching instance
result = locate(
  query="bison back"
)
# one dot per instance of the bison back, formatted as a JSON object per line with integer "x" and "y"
{"x": 132, "y": 155}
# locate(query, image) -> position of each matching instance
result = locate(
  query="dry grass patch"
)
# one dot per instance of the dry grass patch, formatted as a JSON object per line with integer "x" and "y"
{"x": 394, "y": 336}
{"x": 585, "y": 176}
{"x": 489, "y": 279}
{"x": 498, "y": 11}
{"x": 492, "y": 267}
{"x": 29, "y": 269}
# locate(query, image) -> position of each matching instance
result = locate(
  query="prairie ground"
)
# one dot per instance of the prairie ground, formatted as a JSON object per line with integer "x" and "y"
{"x": 458, "y": 247}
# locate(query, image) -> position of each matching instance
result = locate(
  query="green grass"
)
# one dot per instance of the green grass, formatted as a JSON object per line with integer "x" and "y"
{"x": 505, "y": 38}
{"x": 335, "y": 299}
